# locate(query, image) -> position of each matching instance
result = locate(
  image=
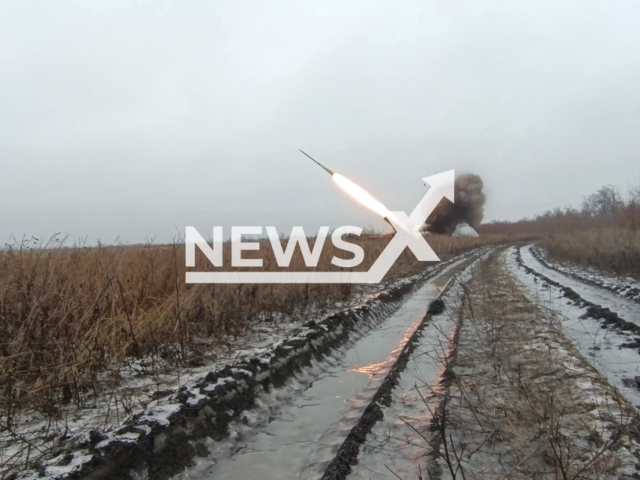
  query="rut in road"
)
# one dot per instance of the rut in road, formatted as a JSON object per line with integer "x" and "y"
{"x": 299, "y": 439}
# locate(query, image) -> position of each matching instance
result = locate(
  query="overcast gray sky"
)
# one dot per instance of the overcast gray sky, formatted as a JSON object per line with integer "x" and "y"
{"x": 137, "y": 118}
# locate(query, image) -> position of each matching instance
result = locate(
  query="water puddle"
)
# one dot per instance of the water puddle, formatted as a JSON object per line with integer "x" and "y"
{"x": 303, "y": 436}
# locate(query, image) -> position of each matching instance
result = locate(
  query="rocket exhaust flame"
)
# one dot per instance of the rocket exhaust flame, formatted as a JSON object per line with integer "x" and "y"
{"x": 357, "y": 192}
{"x": 361, "y": 195}
{"x": 467, "y": 208}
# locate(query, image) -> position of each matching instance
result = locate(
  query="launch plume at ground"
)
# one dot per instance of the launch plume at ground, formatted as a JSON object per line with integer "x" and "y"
{"x": 468, "y": 207}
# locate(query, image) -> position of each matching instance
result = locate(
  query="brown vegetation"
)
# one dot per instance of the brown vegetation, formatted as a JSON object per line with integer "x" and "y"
{"x": 68, "y": 314}
{"x": 613, "y": 250}
{"x": 522, "y": 401}
{"x": 604, "y": 233}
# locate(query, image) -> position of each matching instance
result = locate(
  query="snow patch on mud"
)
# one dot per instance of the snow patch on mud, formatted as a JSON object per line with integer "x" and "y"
{"x": 600, "y": 345}
{"x": 623, "y": 286}
{"x": 299, "y": 436}
{"x": 523, "y": 402}
{"x": 171, "y": 419}
{"x": 626, "y": 308}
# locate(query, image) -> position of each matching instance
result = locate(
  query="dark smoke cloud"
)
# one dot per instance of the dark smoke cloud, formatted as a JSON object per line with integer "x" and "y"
{"x": 468, "y": 207}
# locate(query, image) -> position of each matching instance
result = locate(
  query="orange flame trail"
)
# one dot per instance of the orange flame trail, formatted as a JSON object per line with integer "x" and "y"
{"x": 360, "y": 195}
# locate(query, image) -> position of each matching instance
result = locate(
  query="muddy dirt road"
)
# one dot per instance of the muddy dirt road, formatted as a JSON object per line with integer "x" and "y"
{"x": 525, "y": 398}
{"x": 309, "y": 436}
{"x": 487, "y": 366}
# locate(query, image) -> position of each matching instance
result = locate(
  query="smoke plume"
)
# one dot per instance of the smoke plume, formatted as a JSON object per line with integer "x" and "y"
{"x": 468, "y": 207}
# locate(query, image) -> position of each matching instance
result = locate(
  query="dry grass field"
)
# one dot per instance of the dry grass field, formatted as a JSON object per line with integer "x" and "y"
{"x": 603, "y": 234}
{"x": 614, "y": 250}
{"x": 69, "y": 314}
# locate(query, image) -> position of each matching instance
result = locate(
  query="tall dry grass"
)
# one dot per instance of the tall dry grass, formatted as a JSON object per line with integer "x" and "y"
{"x": 603, "y": 234}
{"x": 612, "y": 250}
{"x": 69, "y": 314}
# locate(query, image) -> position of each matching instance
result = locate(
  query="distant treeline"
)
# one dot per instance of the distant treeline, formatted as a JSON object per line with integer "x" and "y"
{"x": 604, "y": 208}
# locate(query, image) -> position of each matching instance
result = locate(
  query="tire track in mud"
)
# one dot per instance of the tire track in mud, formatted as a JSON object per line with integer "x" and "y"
{"x": 302, "y": 438}
{"x": 618, "y": 366}
{"x": 341, "y": 466}
{"x": 161, "y": 444}
{"x": 597, "y": 312}
{"x": 630, "y": 294}
{"x": 509, "y": 346}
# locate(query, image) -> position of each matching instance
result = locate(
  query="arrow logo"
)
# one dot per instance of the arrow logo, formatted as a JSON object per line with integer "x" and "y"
{"x": 407, "y": 236}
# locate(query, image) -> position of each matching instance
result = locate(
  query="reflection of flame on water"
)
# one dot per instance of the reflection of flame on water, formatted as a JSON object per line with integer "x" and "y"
{"x": 373, "y": 368}
{"x": 383, "y": 367}
{"x": 446, "y": 359}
